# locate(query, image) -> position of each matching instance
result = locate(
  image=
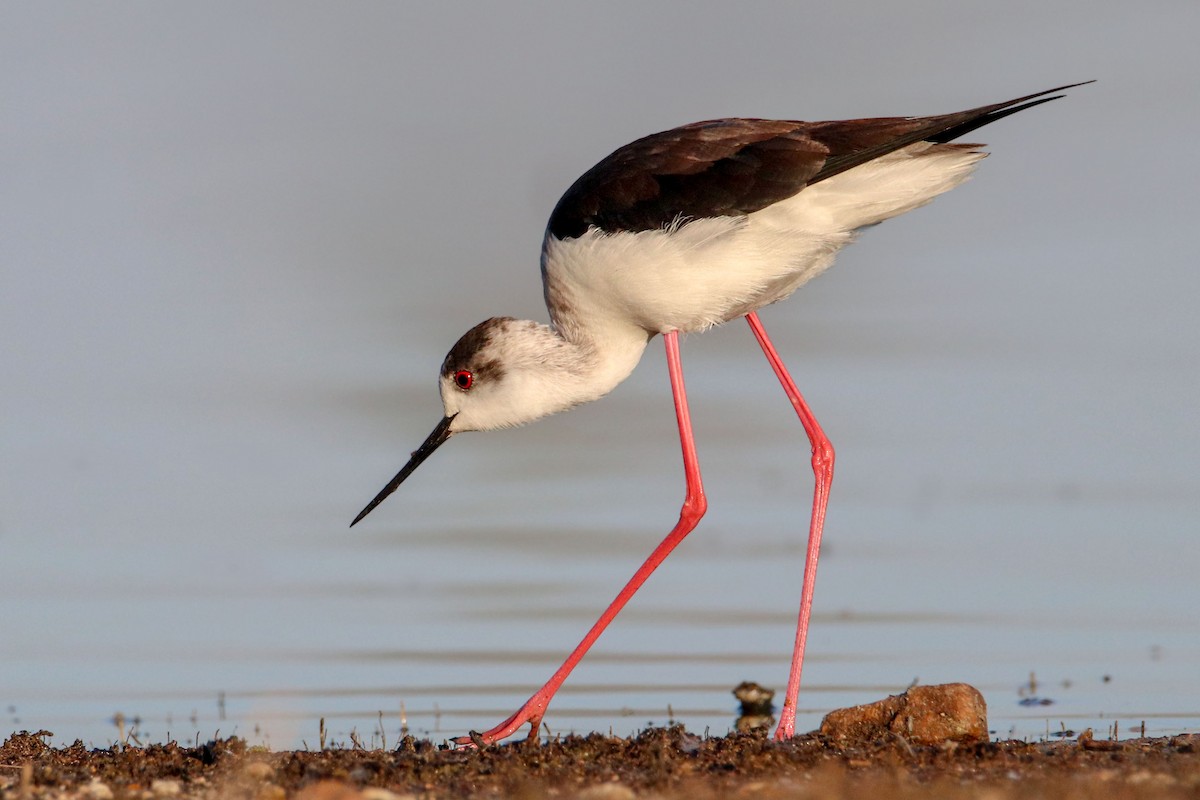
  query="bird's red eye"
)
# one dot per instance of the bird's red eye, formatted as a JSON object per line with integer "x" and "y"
{"x": 463, "y": 379}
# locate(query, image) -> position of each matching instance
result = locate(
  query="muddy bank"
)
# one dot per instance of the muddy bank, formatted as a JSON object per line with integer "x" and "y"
{"x": 663, "y": 762}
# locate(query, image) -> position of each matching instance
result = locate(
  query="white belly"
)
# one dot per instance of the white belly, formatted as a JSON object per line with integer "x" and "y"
{"x": 700, "y": 273}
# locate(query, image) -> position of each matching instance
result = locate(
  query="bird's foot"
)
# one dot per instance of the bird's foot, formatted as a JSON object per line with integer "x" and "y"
{"x": 787, "y": 723}
{"x": 531, "y": 712}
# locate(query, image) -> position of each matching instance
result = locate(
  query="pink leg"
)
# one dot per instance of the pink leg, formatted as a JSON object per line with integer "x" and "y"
{"x": 822, "y": 463}
{"x": 694, "y": 506}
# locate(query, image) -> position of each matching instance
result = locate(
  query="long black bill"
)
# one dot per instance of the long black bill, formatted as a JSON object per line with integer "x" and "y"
{"x": 440, "y": 434}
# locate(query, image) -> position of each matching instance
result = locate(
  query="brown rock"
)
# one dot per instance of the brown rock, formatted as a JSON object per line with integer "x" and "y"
{"x": 951, "y": 712}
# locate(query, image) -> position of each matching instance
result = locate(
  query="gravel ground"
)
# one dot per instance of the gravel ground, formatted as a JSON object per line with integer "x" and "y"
{"x": 661, "y": 762}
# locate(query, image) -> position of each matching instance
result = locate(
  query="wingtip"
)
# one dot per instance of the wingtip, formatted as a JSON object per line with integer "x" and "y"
{"x": 1071, "y": 85}
{"x": 1037, "y": 98}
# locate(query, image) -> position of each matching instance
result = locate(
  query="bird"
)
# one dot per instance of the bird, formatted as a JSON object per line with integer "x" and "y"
{"x": 675, "y": 233}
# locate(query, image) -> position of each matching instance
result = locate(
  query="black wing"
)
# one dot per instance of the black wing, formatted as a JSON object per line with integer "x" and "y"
{"x": 731, "y": 167}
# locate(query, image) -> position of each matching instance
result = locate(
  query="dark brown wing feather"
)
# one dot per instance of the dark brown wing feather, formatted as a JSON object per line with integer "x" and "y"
{"x": 717, "y": 168}
{"x": 730, "y": 167}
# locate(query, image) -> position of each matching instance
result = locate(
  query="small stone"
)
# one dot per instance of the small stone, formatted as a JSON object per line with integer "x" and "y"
{"x": 166, "y": 788}
{"x": 953, "y": 712}
{"x": 258, "y": 770}
{"x": 98, "y": 790}
{"x": 379, "y": 793}
{"x": 270, "y": 791}
{"x": 1145, "y": 776}
{"x": 606, "y": 791}
{"x": 753, "y": 789}
{"x": 755, "y": 698}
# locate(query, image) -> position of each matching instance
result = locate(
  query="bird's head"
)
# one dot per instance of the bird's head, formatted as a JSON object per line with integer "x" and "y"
{"x": 501, "y": 373}
{"x": 505, "y": 372}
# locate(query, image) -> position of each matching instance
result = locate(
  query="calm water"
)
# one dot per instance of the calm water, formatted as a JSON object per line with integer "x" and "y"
{"x": 239, "y": 602}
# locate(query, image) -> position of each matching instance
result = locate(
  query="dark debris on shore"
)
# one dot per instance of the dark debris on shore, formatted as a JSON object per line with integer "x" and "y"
{"x": 660, "y": 762}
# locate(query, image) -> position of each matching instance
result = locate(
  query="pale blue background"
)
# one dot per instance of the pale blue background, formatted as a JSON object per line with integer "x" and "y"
{"x": 237, "y": 239}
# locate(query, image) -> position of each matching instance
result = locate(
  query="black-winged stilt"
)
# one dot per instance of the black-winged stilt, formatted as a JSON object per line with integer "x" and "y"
{"x": 678, "y": 232}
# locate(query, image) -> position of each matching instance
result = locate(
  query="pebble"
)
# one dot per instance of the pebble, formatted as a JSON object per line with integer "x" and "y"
{"x": 606, "y": 791}
{"x": 755, "y": 699}
{"x": 377, "y": 793}
{"x": 166, "y": 788}
{"x": 270, "y": 791}
{"x": 258, "y": 770}
{"x": 1145, "y": 776}
{"x": 950, "y": 712}
{"x": 98, "y": 790}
